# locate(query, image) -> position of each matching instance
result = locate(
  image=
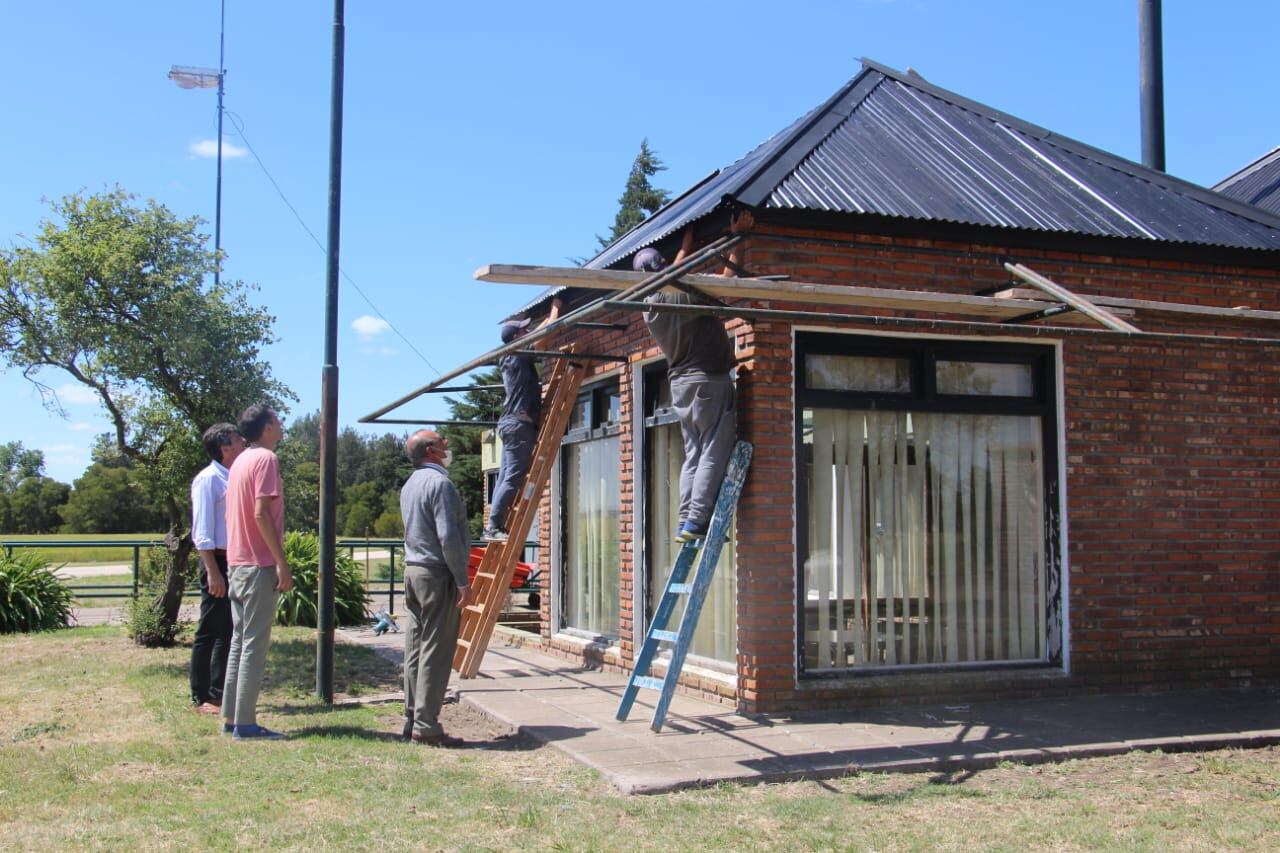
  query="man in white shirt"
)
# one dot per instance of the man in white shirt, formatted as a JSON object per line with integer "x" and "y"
{"x": 212, "y": 642}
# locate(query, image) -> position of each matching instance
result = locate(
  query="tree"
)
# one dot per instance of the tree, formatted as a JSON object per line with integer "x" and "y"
{"x": 36, "y": 505}
{"x": 17, "y": 463}
{"x": 119, "y": 297}
{"x": 482, "y": 405}
{"x": 112, "y": 499}
{"x": 30, "y": 502}
{"x": 640, "y": 199}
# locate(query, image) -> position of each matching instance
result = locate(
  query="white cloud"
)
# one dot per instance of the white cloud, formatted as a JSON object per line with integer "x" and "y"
{"x": 63, "y": 449}
{"x": 209, "y": 148}
{"x": 76, "y": 394}
{"x": 81, "y": 426}
{"x": 368, "y": 327}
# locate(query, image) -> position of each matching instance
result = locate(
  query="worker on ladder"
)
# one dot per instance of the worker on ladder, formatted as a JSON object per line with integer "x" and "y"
{"x": 699, "y": 363}
{"x": 518, "y": 424}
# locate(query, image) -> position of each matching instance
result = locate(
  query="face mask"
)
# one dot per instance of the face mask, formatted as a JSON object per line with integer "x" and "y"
{"x": 448, "y": 458}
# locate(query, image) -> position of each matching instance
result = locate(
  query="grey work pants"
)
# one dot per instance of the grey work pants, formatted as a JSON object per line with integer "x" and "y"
{"x": 430, "y": 638}
{"x": 518, "y": 438}
{"x": 709, "y": 426}
{"x": 252, "y": 590}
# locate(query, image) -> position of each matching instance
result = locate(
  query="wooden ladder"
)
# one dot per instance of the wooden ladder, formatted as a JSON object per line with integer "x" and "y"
{"x": 707, "y": 551}
{"x": 493, "y": 577}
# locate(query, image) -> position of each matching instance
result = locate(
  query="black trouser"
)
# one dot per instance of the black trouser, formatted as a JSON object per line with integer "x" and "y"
{"x": 213, "y": 639}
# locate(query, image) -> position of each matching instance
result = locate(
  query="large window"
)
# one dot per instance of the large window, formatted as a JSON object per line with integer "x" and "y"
{"x": 928, "y": 475}
{"x": 589, "y": 477}
{"x": 716, "y": 637}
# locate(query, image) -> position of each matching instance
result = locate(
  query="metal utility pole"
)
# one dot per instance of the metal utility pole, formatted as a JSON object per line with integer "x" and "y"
{"x": 329, "y": 378}
{"x": 217, "y": 204}
{"x": 1151, "y": 82}
{"x": 207, "y": 78}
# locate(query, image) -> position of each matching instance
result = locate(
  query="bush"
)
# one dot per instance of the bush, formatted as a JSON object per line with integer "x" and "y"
{"x": 146, "y": 623}
{"x": 32, "y": 597}
{"x": 298, "y": 605}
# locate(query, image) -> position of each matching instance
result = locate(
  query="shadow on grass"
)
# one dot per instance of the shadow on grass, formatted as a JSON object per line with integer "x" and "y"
{"x": 501, "y": 743}
{"x": 291, "y": 667}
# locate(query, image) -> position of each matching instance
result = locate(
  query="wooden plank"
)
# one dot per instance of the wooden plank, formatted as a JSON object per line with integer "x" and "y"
{"x": 1084, "y": 306}
{"x": 790, "y": 291}
{"x": 1132, "y": 306}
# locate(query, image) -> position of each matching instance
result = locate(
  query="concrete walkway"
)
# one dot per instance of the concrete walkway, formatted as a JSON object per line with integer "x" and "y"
{"x": 572, "y": 709}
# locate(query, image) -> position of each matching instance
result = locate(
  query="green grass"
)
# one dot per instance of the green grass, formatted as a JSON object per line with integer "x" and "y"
{"x": 78, "y": 555}
{"x": 98, "y": 749}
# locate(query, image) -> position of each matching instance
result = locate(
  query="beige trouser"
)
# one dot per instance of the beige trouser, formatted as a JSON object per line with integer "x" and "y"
{"x": 431, "y": 636}
{"x": 252, "y": 590}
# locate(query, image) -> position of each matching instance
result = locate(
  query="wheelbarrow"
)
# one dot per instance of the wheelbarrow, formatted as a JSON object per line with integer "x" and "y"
{"x": 524, "y": 579}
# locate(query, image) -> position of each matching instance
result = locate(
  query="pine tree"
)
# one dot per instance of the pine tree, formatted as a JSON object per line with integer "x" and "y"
{"x": 640, "y": 199}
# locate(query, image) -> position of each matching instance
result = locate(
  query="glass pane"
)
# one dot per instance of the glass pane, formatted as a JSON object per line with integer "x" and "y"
{"x": 716, "y": 636}
{"x": 613, "y": 406}
{"x": 591, "y": 509}
{"x": 985, "y": 377}
{"x": 926, "y": 540}
{"x": 858, "y": 373}
{"x": 581, "y": 411}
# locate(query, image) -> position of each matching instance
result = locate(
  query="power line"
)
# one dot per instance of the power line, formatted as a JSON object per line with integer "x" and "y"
{"x": 235, "y": 120}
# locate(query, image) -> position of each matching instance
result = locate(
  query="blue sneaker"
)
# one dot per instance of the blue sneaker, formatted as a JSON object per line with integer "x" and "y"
{"x": 255, "y": 732}
{"x": 690, "y": 533}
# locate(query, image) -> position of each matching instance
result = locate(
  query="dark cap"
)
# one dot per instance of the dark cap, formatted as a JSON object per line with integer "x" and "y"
{"x": 512, "y": 329}
{"x": 648, "y": 260}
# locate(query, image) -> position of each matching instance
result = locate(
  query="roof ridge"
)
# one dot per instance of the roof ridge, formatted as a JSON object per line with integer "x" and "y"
{"x": 1247, "y": 170}
{"x": 1133, "y": 169}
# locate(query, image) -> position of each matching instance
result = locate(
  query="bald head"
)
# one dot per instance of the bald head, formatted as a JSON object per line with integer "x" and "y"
{"x": 419, "y": 443}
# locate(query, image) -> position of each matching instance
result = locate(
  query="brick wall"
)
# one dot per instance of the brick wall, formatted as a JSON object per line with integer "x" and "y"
{"x": 1172, "y": 447}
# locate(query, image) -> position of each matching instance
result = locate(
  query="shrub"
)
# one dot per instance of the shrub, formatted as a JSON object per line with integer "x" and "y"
{"x": 298, "y": 605}
{"x": 32, "y": 597}
{"x": 146, "y": 623}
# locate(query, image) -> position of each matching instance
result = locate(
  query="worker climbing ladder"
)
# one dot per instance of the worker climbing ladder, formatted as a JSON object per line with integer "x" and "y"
{"x": 493, "y": 577}
{"x": 707, "y": 553}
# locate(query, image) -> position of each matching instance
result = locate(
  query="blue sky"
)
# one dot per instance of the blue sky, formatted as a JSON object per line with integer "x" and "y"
{"x": 501, "y": 132}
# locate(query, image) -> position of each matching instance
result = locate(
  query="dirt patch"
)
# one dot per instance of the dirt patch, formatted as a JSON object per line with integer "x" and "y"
{"x": 464, "y": 721}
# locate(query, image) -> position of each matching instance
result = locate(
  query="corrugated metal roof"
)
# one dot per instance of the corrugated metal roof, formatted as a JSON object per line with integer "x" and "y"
{"x": 1257, "y": 184}
{"x": 892, "y": 144}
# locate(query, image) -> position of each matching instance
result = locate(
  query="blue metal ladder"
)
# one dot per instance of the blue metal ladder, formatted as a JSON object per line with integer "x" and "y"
{"x": 709, "y": 550}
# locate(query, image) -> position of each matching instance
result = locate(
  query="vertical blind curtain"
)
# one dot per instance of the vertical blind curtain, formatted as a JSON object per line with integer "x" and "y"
{"x": 926, "y": 539}
{"x": 716, "y": 636}
{"x": 592, "y": 509}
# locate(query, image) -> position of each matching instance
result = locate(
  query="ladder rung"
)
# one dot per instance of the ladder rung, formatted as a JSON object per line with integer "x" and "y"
{"x": 466, "y": 644}
{"x": 486, "y": 574}
{"x": 680, "y": 588}
{"x": 660, "y": 634}
{"x": 647, "y": 682}
{"x": 474, "y": 608}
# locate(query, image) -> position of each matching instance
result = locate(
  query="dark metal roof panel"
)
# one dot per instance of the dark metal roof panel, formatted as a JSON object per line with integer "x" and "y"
{"x": 907, "y": 152}
{"x": 893, "y": 144}
{"x": 1257, "y": 184}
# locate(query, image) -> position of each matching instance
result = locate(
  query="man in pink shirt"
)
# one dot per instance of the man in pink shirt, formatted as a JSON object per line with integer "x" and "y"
{"x": 258, "y": 568}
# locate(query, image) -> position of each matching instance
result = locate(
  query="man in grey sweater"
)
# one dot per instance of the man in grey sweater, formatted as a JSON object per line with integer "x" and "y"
{"x": 436, "y": 546}
{"x": 699, "y": 363}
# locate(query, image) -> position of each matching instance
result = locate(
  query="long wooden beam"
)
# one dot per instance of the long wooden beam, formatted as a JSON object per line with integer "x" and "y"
{"x": 790, "y": 291}
{"x": 1152, "y": 306}
{"x": 646, "y": 284}
{"x": 1084, "y": 306}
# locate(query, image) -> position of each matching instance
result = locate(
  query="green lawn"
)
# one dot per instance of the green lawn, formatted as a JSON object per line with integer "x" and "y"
{"x": 99, "y": 750}
{"x": 77, "y": 555}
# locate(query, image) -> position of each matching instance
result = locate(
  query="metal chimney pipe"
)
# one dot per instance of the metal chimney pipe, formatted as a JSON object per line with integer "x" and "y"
{"x": 1151, "y": 83}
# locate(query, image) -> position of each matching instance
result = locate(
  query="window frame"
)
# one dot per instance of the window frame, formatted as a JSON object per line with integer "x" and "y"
{"x": 923, "y": 397}
{"x": 594, "y": 398}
